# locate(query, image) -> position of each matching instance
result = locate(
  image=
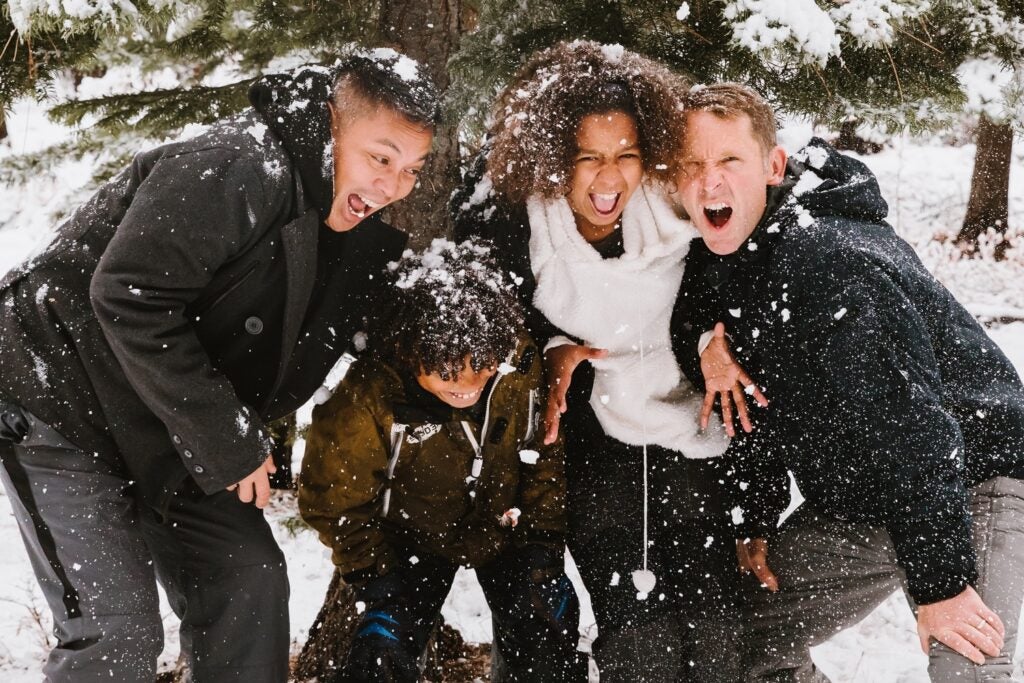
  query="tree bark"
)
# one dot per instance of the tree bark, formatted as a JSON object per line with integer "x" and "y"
{"x": 428, "y": 31}
{"x": 330, "y": 635}
{"x": 3, "y": 125}
{"x": 988, "y": 205}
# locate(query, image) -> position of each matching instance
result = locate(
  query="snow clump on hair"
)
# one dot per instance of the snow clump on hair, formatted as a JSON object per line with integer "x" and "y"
{"x": 448, "y": 302}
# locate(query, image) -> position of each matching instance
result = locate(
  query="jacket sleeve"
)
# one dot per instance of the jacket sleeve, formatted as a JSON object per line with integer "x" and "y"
{"x": 342, "y": 478}
{"x": 542, "y": 482}
{"x": 862, "y": 377}
{"x": 190, "y": 215}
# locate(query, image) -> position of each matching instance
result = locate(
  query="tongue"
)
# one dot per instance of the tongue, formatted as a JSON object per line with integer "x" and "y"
{"x": 718, "y": 217}
{"x": 357, "y": 204}
{"x": 604, "y": 205}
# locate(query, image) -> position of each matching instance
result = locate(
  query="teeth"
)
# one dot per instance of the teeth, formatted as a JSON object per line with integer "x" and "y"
{"x": 717, "y": 207}
{"x": 464, "y": 396}
{"x": 606, "y": 197}
{"x": 358, "y": 214}
{"x": 369, "y": 204}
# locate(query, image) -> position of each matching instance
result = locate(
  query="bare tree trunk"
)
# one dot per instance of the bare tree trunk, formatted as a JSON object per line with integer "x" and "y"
{"x": 429, "y": 31}
{"x": 330, "y": 635}
{"x": 3, "y": 125}
{"x": 990, "y": 182}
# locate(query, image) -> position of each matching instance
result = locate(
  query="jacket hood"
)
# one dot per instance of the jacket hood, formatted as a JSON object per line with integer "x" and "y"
{"x": 294, "y": 107}
{"x": 829, "y": 184}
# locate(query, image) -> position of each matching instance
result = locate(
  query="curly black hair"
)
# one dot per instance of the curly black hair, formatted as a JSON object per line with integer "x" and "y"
{"x": 536, "y": 118}
{"x": 444, "y": 304}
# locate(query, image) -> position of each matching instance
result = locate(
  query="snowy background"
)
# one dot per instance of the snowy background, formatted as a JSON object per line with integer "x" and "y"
{"x": 926, "y": 182}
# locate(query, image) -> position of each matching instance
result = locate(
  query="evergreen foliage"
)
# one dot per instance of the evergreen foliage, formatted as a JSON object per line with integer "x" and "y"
{"x": 889, "y": 62}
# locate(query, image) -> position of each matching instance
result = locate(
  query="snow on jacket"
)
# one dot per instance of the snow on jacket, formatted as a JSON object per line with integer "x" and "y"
{"x": 142, "y": 318}
{"x": 887, "y": 398}
{"x": 431, "y": 504}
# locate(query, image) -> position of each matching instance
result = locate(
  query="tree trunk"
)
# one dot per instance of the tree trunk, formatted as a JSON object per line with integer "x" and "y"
{"x": 990, "y": 182}
{"x": 3, "y": 125}
{"x": 429, "y": 31}
{"x": 330, "y": 635}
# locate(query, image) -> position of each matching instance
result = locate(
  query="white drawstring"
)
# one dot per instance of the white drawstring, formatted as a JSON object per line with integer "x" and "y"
{"x": 644, "y": 579}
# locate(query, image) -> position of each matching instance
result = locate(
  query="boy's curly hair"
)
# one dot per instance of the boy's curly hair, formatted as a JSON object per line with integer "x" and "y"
{"x": 444, "y": 304}
{"x": 536, "y": 118}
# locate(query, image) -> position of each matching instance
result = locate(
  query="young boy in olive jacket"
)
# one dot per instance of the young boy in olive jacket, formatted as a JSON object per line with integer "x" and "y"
{"x": 428, "y": 457}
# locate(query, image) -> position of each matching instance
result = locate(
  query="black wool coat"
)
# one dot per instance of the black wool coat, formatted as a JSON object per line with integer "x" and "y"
{"x": 888, "y": 400}
{"x": 171, "y": 316}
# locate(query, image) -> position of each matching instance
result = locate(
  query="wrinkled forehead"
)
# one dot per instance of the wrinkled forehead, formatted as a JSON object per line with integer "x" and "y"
{"x": 710, "y": 132}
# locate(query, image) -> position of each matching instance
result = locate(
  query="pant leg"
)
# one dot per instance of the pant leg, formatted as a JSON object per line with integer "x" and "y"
{"x": 702, "y": 583}
{"x": 831, "y": 575}
{"x": 638, "y": 639}
{"x": 399, "y": 616}
{"x": 535, "y": 644}
{"x": 997, "y": 508}
{"x": 79, "y": 523}
{"x": 226, "y": 578}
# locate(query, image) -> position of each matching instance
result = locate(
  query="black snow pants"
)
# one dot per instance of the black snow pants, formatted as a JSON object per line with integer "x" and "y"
{"x": 98, "y": 551}
{"x": 535, "y": 638}
{"x": 687, "y": 628}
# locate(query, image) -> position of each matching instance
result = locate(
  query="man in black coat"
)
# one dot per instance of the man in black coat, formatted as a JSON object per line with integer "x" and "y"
{"x": 900, "y": 420}
{"x": 207, "y": 289}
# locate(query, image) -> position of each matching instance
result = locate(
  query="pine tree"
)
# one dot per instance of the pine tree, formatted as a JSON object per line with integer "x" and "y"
{"x": 217, "y": 48}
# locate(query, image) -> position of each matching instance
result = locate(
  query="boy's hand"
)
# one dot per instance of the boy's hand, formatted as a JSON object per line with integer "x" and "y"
{"x": 257, "y": 485}
{"x": 964, "y": 624}
{"x": 559, "y": 364}
{"x": 752, "y": 554}
{"x": 726, "y": 380}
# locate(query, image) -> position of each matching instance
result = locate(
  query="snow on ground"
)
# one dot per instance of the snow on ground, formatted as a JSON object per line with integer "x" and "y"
{"x": 926, "y": 184}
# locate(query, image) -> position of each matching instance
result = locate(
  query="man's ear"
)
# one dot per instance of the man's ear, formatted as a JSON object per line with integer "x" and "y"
{"x": 776, "y": 165}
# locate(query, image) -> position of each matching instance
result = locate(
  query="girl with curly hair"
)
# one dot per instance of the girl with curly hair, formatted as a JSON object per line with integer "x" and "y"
{"x": 570, "y": 189}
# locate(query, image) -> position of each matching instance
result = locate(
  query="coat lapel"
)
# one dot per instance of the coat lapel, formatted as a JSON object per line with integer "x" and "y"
{"x": 299, "y": 238}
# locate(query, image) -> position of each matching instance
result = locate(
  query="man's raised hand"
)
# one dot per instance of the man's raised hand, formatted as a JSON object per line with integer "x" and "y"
{"x": 256, "y": 487}
{"x": 964, "y": 624}
{"x": 726, "y": 380}
{"x": 559, "y": 364}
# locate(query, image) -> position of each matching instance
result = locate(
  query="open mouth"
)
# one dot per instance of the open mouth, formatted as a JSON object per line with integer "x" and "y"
{"x": 718, "y": 214}
{"x": 605, "y": 202}
{"x": 360, "y": 205}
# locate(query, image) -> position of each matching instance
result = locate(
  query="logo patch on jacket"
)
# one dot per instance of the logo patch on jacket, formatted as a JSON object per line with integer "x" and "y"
{"x": 422, "y": 433}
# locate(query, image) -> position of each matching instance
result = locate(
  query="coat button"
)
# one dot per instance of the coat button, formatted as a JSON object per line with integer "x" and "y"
{"x": 253, "y": 325}
{"x": 198, "y": 469}
{"x": 176, "y": 439}
{"x": 187, "y": 453}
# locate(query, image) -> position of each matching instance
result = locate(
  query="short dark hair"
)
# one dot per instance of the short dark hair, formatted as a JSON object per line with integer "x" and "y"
{"x": 444, "y": 304}
{"x": 385, "y": 78}
{"x": 537, "y": 117}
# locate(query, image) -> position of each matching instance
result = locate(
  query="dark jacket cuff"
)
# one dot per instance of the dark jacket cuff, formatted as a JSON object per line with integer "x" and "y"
{"x": 937, "y": 556}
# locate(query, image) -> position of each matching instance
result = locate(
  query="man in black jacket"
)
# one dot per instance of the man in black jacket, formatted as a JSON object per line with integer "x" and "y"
{"x": 900, "y": 420}
{"x": 208, "y": 288}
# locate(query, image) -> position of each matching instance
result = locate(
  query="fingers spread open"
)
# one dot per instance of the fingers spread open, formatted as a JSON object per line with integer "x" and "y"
{"x": 741, "y": 408}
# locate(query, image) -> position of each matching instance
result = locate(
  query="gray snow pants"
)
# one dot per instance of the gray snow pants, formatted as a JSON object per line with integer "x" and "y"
{"x": 97, "y": 553}
{"x": 832, "y": 574}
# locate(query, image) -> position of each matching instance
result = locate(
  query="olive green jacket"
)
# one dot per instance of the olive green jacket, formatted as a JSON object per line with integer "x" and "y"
{"x": 430, "y": 501}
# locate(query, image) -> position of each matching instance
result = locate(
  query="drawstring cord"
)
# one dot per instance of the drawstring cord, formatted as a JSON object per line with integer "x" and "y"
{"x": 644, "y": 579}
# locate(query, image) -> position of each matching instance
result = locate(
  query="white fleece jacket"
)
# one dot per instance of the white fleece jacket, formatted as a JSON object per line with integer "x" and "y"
{"x": 624, "y": 305}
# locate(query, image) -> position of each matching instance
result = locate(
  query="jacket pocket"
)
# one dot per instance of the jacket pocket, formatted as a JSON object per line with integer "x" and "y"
{"x": 213, "y": 299}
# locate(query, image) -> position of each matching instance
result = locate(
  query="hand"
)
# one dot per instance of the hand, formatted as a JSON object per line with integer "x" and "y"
{"x": 963, "y": 623}
{"x": 726, "y": 380}
{"x": 560, "y": 362}
{"x": 256, "y": 485}
{"x": 752, "y": 554}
